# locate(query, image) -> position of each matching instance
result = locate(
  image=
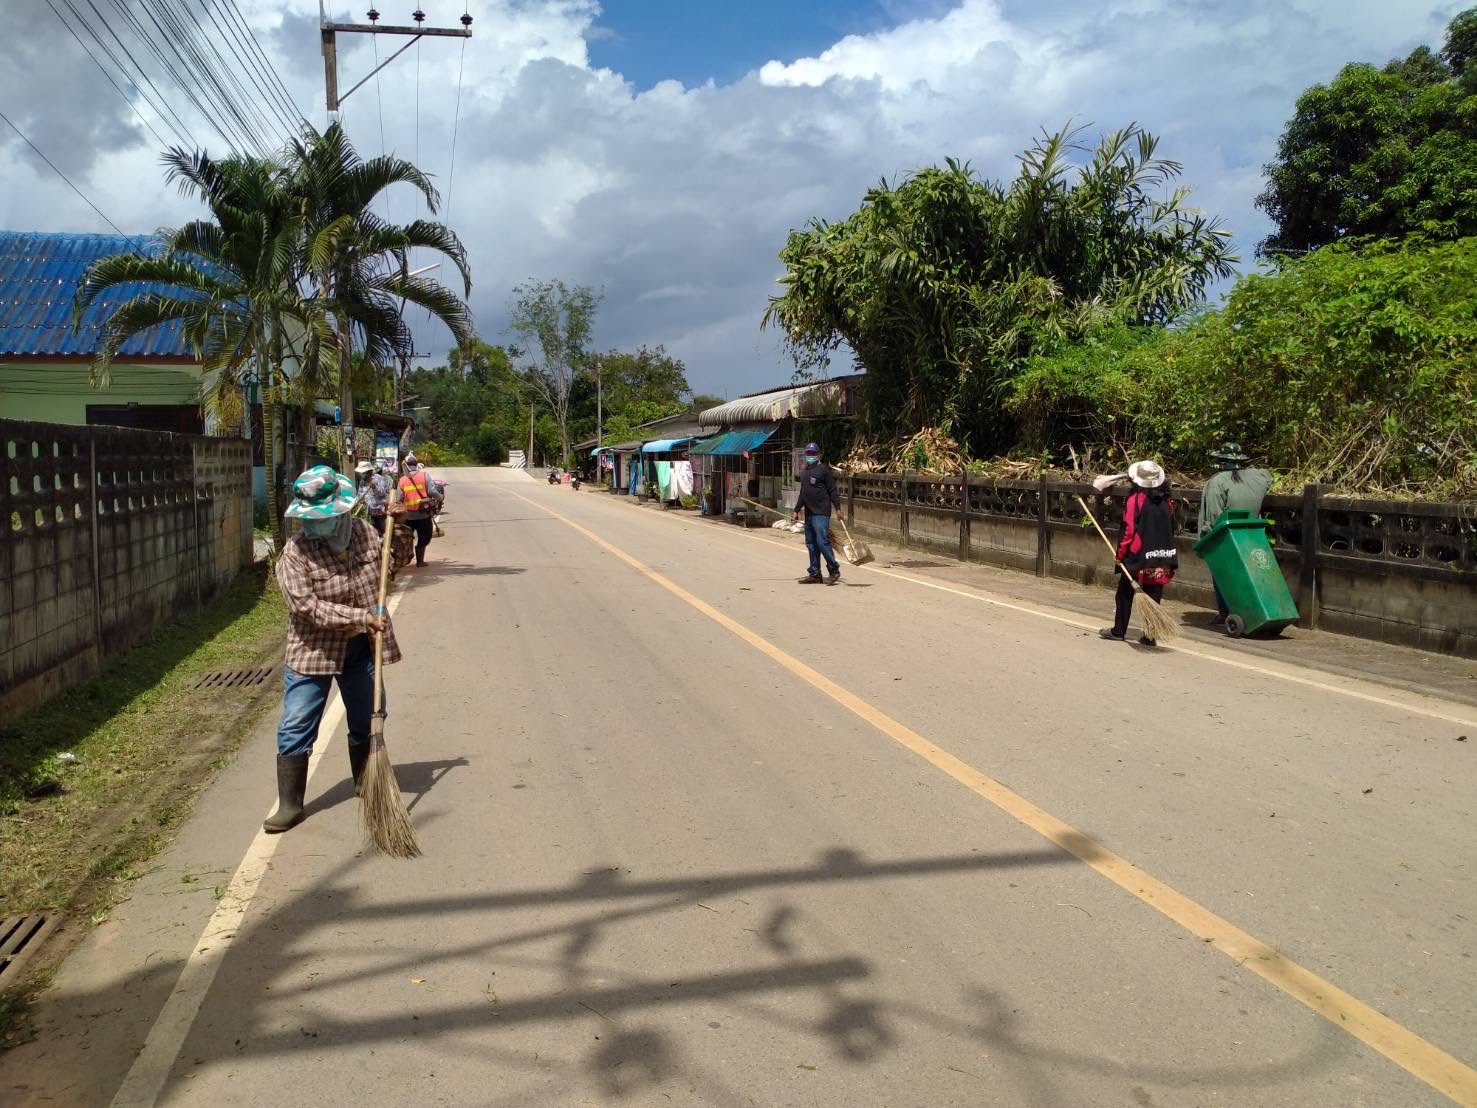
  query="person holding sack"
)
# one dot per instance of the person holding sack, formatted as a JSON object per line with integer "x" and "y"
{"x": 418, "y": 496}
{"x": 1146, "y": 547}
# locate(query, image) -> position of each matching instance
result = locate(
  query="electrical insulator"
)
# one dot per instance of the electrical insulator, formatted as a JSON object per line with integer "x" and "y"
{"x": 467, "y": 22}
{"x": 373, "y": 15}
{"x": 419, "y": 16}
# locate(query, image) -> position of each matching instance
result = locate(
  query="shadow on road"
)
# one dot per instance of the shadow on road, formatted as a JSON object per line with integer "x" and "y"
{"x": 417, "y": 778}
{"x": 849, "y": 1016}
{"x": 434, "y": 568}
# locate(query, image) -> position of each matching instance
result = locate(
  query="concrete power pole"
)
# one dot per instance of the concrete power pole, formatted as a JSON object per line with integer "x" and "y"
{"x": 330, "y": 32}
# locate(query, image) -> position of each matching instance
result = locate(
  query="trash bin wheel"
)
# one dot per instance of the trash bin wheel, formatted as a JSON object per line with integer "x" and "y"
{"x": 1235, "y": 626}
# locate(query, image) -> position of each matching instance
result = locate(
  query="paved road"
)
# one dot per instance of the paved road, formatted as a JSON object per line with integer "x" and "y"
{"x": 696, "y": 835}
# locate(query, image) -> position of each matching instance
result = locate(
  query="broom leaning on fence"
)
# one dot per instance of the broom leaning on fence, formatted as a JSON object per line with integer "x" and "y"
{"x": 386, "y": 821}
{"x": 1155, "y": 621}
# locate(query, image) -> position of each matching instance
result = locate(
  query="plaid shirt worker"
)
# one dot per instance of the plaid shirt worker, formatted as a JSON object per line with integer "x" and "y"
{"x": 327, "y": 596}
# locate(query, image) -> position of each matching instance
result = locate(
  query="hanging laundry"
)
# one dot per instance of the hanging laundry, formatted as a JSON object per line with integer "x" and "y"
{"x": 664, "y": 479}
{"x": 681, "y": 479}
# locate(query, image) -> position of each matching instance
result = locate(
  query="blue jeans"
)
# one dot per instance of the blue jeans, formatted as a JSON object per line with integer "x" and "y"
{"x": 818, "y": 542}
{"x": 305, "y": 695}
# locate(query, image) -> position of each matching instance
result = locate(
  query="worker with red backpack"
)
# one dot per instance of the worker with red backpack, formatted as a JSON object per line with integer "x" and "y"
{"x": 420, "y": 497}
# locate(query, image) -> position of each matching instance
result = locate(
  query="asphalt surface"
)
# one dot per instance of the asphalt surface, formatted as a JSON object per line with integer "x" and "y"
{"x": 680, "y": 848}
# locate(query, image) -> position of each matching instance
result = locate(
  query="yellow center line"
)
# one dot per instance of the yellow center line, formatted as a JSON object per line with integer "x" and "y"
{"x": 1415, "y": 1055}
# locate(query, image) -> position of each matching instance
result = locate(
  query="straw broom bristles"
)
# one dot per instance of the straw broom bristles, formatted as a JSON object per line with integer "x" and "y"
{"x": 386, "y": 821}
{"x": 382, "y": 809}
{"x": 1155, "y": 621}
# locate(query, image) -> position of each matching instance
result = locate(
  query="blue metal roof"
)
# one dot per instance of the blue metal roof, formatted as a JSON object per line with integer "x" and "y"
{"x": 39, "y": 275}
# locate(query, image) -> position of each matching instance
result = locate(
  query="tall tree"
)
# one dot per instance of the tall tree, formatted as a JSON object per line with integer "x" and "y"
{"x": 360, "y": 264}
{"x": 553, "y": 323}
{"x": 230, "y": 280}
{"x": 943, "y": 284}
{"x": 1381, "y": 152}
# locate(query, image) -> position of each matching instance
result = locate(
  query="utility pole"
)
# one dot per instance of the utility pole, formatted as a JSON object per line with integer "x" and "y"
{"x": 599, "y": 410}
{"x": 330, "y": 33}
{"x": 530, "y": 434}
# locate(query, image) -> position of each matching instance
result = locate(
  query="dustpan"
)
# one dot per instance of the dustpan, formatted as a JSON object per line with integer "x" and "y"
{"x": 853, "y": 550}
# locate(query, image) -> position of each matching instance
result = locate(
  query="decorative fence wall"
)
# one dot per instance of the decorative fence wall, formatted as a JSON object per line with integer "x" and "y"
{"x": 108, "y": 533}
{"x": 1398, "y": 571}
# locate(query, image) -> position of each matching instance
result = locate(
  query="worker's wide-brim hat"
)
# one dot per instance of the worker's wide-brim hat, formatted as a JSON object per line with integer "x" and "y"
{"x": 1230, "y": 452}
{"x": 1147, "y": 474}
{"x": 321, "y": 493}
{"x": 364, "y": 466}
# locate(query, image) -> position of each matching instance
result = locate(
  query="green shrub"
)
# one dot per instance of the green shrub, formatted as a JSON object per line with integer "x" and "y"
{"x": 486, "y": 449}
{"x": 434, "y": 454}
{"x": 1355, "y": 366}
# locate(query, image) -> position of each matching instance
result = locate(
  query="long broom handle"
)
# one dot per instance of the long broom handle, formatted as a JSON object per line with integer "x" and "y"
{"x": 1113, "y": 550}
{"x": 379, "y": 639}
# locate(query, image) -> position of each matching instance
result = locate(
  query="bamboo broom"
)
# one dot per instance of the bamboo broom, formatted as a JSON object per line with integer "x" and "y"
{"x": 382, "y": 809}
{"x": 1155, "y": 621}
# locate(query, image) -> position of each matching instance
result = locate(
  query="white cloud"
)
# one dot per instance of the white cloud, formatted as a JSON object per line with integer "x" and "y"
{"x": 676, "y": 200}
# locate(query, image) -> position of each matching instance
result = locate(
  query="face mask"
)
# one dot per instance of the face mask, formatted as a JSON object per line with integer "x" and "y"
{"x": 336, "y": 531}
{"x": 812, "y": 459}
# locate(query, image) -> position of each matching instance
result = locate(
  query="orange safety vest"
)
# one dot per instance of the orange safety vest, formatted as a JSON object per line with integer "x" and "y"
{"x": 413, "y": 493}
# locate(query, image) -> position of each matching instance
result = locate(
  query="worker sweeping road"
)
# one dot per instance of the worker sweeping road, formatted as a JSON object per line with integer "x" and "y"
{"x": 818, "y": 497}
{"x": 330, "y": 577}
{"x": 1146, "y": 548}
{"x": 420, "y": 494}
{"x": 1233, "y": 486}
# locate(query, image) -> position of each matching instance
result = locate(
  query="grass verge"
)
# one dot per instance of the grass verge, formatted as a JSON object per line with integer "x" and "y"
{"x": 126, "y": 753}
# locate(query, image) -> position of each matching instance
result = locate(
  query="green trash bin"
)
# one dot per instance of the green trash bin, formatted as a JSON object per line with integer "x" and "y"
{"x": 1246, "y": 571}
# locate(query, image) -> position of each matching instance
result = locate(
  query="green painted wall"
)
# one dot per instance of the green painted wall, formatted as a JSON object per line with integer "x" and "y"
{"x": 59, "y": 393}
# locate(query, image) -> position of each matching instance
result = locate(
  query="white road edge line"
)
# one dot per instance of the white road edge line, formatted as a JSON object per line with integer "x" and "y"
{"x": 150, "y": 1070}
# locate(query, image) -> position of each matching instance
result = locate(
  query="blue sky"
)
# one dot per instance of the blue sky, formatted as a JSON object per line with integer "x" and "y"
{"x": 661, "y": 151}
{"x": 647, "y": 41}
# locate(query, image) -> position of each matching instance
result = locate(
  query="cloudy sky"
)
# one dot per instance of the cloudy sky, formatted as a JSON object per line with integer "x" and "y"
{"x": 661, "y": 149}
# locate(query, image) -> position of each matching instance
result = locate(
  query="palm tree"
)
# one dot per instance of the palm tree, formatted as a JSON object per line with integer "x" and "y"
{"x": 230, "y": 280}
{"x": 359, "y": 264}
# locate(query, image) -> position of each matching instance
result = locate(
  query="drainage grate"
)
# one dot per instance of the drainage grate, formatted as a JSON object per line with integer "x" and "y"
{"x": 234, "y": 678}
{"x": 20, "y": 937}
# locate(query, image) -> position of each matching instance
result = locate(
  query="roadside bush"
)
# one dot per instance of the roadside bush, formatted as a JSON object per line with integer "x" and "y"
{"x": 486, "y": 449}
{"x": 1355, "y": 366}
{"x": 434, "y": 454}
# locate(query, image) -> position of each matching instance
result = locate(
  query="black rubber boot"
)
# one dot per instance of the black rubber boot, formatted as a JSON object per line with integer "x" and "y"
{"x": 292, "y": 782}
{"x": 358, "y": 759}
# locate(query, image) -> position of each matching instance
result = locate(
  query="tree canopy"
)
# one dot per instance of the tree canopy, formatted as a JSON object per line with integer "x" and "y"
{"x": 942, "y": 284}
{"x": 1381, "y": 151}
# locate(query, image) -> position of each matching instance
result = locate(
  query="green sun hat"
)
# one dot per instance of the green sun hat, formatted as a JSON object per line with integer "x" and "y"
{"x": 320, "y": 493}
{"x": 1229, "y": 452}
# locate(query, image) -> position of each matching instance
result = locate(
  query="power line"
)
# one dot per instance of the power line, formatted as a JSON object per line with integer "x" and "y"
{"x": 380, "y": 97}
{"x": 192, "y": 39}
{"x": 284, "y": 97}
{"x": 105, "y": 73}
{"x": 250, "y": 72}
{"x": 143, "y": 78}
{"x": 143, "y": 35}
{"x": 456, "y": 124}
{"x": 62, "y": 175}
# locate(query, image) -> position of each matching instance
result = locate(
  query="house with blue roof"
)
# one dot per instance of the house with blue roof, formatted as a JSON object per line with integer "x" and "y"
{"x": 44, "y": 362}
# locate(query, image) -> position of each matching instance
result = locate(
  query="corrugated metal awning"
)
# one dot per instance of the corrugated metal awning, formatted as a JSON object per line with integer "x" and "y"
{"x": 664, "y": 446}
{"x": 821, "y": 398}
{"x": 625, "y": 447}
{"x": 736, "y": 442}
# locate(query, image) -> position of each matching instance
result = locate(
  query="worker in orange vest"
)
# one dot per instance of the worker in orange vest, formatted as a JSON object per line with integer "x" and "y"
{"x": 420, "y": 498}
